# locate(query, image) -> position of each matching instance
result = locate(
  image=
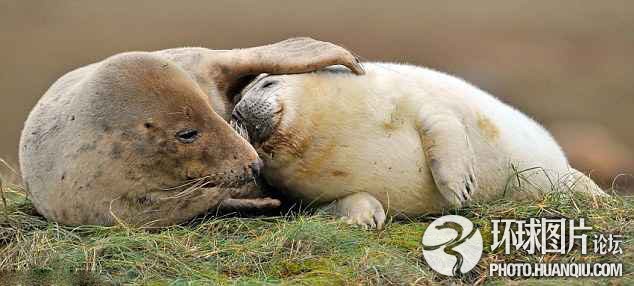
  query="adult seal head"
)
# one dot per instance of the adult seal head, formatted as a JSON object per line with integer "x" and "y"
{"x": 135, "y": 138}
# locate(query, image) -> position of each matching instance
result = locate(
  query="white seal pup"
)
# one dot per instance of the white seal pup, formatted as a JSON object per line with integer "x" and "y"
{"x": 402, "y": 138}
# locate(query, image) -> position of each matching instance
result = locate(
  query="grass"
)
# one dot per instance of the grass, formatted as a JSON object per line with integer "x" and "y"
{"x": 304, "y": 248}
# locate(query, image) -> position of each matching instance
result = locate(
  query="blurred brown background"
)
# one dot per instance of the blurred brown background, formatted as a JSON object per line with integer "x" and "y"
{"x": 569, "y": 64}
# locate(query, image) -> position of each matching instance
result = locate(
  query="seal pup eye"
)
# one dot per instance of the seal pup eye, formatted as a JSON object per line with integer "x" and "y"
{"x": 269, "y": 84}
{"x": 188, "y": 135}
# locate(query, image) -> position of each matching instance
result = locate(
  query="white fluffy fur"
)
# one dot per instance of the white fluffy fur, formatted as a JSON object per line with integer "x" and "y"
{"x": 378, "y": 134}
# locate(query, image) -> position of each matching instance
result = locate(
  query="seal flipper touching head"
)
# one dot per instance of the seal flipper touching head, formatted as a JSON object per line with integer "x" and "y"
{"x": 223, "y": 73}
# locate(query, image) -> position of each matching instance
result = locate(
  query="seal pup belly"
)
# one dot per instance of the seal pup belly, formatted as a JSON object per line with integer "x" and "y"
{"x": 415, "y": 140}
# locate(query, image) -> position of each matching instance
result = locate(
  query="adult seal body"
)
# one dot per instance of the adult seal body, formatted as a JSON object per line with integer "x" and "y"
{"x": 401, "y": 138}
{"x": 142, "y": 137}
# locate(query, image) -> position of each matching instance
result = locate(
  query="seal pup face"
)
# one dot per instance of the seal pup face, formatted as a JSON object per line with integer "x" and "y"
{"x": 258, "y": 109}
{"x": 270, "y": 108}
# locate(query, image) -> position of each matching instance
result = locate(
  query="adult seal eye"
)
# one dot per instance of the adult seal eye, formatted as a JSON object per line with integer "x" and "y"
{"x": 188, "y": 135}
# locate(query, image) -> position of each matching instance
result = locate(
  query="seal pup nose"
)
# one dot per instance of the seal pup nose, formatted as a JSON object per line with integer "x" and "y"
{"x": 236, "y": 115}
{"x": 254, "y": 114}
{"x": 256, "y": 167}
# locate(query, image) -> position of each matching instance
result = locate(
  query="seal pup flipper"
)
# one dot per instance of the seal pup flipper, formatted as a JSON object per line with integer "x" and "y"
{"x": 359, "y": 209}
{"x": 579, "y": 182}
{"x": 448, "y": 154}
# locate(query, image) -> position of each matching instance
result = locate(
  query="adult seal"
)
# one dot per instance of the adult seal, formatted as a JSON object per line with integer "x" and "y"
{"x": 142, "y": 137}
{"x": 401, "y": 138}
